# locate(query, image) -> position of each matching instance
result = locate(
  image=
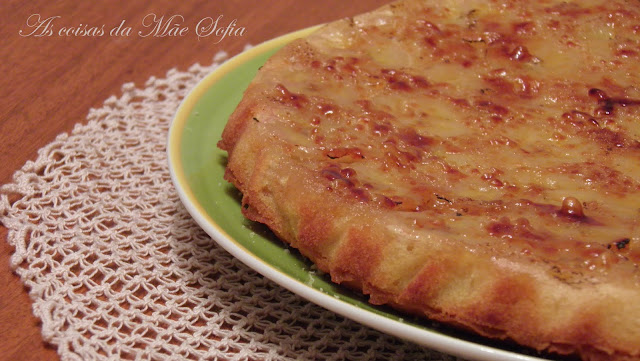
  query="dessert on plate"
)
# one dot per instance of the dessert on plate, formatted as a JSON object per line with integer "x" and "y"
{"x": 472, "y": 162}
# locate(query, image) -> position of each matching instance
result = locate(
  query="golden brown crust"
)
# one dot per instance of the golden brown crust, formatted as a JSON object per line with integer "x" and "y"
{"x": 473, "y": 162}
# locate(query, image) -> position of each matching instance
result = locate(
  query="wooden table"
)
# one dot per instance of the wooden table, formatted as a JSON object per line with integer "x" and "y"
{"x": 48, "y": 83}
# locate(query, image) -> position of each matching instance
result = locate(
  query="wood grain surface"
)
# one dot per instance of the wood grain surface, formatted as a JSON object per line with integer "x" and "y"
{"x": 49, "y": 83}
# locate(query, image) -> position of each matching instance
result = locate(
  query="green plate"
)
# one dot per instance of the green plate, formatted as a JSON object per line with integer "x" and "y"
{"x": 197, "y": 169}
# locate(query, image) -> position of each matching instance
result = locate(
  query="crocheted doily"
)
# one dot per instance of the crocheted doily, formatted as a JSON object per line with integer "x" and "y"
{"x": 118, "y": 270}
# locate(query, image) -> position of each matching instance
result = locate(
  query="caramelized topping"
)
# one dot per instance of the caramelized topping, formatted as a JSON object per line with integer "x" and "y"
{"x": 620, "y": 244}
{"x": 499, "y": 115}
{"x": 289, "y": 98}
{"x": 571, "y": 206}
{"x": 607, "y": 103}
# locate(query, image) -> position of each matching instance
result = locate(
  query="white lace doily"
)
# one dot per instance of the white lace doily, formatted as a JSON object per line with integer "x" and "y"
{"x": 118, "y": 270}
